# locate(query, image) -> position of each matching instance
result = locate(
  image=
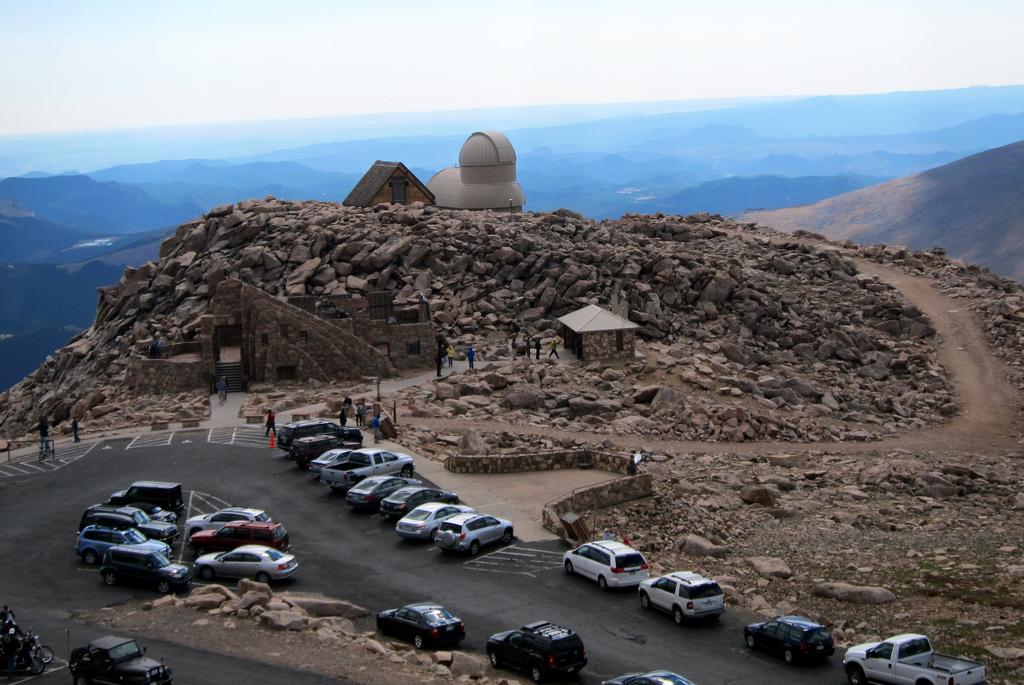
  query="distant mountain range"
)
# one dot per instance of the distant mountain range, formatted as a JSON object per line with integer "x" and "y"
{"x": 974, "y": 208}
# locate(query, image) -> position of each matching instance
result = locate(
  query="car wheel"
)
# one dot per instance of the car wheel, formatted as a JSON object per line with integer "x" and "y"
{"x": 406, "y": 471}
{"x": 110, "y": 578}
{"x": 855, "y": 675}
{"x": 474, "y": 548}
{"x": 206, "y": 573}
{"x": 750, "y": 641}
{"x": 645, "y": 601}
{"x": 163, "y": 587}
{"x": 602, "y": 583}
{"x": 568, "y": 567}
{"x": 199, "y": 551}
{"x": 677, "y": 616}
{"x": 507, "y": 536}
{"x": 263, "y": 577}
{"x": 787, "y": 655}
{"x": 417, "y": 642}
{"x": 536, "y": 675}
{"x": 492, "y": 656}
{"x": 90, "y": 556}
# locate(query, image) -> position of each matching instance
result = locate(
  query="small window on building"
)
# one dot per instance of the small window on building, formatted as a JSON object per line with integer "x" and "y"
{"x": 412, "y": 349}
{"x": 286, "y": 373}
{"x": 284, "y": 331}
{"x": 398, "y": 190}
{"x": 620, "y": 341}
{"x": 264, "y": 339}
{"x": 303, "y": 337}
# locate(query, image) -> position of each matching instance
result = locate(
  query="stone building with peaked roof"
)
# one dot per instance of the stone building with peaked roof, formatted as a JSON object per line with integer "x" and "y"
{"x": 593, "y": 334}
{"x": 388, "y": 182}
{"x": 485, "y": 177}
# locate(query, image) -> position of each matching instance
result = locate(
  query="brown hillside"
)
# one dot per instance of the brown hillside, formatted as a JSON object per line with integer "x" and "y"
{"x": 974, "y": 208}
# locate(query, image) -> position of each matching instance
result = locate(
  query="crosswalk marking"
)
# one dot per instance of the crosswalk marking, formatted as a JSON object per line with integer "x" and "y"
{"x": 30, "y": 465}
{"x": 151, "y": 440}
{"x": 517, "y": 560}
{"x": 241, "y": 436}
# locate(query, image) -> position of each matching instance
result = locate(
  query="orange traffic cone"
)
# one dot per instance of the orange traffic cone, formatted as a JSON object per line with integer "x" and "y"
{"x": 273, "y": 440}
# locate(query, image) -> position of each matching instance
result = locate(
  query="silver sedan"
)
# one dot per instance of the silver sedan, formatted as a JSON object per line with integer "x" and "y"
{"x": 248, "y": 561}
{"x": 422, "y": 522}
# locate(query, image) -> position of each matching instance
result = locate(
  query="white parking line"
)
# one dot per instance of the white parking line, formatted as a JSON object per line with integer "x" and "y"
{"x": 516, "y": 560}
{"x": 157, "y": 440}
{"x": 49, "y": 669}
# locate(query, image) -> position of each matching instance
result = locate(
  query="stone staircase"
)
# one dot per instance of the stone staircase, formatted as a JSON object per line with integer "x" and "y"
{"x": 232, "y": 373}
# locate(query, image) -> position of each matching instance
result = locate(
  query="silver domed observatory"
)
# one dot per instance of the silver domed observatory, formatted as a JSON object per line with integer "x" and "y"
{"x": 485, "y": 177}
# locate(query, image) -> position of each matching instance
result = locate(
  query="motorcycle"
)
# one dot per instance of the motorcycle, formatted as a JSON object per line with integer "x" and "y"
{"x": 43, "y": 652}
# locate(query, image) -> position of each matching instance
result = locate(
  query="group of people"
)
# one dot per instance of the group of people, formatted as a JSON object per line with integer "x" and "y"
{"x": 446, "y": 352}
{"x": 357, "y": 411}
{"x": 513, "y": 344}
{"x": 14, "y": 643}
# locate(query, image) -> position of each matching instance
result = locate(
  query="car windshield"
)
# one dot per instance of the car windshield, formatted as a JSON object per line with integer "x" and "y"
{"x": 706, "y": 590}
{"x": 401, "y": 495}
{"x": 368, "y": 485}
{"x": 279, "y": 532}
{"x": 133, "y": 536}
{"x": 438, "y": 616}
{"x": 125, "y": 650}
{"x": 140, "y": 517}
{"x": 262, "y": 517}
{"x": 159, "y": 560}
{"x": 272, "y": 554}
{"x": 816, "y": 634}
{"x": 629, "y": 560}
{"x": 418, "y": 515}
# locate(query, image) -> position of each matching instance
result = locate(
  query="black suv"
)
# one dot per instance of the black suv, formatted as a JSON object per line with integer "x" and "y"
{"x": 166, "y": 495}
{"x": 290, "y": 432}
{"x": 116, "y": 660}
{"x": 120, "y": 518}
{"x": 540, "y": 649}
{"x": 305, "y": 450}
{"x": 145, "y": 567}
{"x": 794, "y": 637}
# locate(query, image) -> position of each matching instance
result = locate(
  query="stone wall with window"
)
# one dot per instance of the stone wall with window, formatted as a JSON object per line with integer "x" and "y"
{"x": 608, "y": 345}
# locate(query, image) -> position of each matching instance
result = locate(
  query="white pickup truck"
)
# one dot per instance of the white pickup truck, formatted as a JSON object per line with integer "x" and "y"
{"x": 908, "y": 660}
{"x": 363, "y": 463}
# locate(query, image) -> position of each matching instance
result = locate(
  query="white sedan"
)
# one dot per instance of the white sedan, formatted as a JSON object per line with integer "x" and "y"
{"x": 248, "y": 561}
{"x": 421, "y": 523}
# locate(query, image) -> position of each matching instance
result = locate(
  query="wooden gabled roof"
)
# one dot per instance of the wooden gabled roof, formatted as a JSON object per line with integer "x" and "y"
{"x": 375, "y": 178}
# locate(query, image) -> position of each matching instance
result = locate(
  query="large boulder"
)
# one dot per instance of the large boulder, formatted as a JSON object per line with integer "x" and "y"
{"x": 855, "y": 594}
{"x": 247, "y": 585}
{"x": 697, "y": 546}
{"x": 284, "y": 620}
{"x": 472, "y": 443}
{"x": 523, "y": 397}
{"x": 208, "y": 600}
{"x": 464, "y": 664}
{"x": 760, "y": 494}
{"x": 252, "y": 598}
{"x": 325, "y": 606}
{"x": 770, "y": 567}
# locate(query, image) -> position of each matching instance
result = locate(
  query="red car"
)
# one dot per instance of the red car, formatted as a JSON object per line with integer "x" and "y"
{"x": 238, "y": 533}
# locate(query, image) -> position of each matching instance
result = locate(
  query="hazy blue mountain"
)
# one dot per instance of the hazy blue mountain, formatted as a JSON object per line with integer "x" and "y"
{"x": 878, "y": 163}
{"x": 736, "y": 194}
{"x": 80, "y": 202}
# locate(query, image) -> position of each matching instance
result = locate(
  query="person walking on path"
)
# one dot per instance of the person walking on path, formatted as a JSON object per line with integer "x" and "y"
{"x": 375, "y": 424}
{"x": 536, "y": 346}
{"x": 222, "y": 390}
{"x": 360, "y": 414}
{"x": 554, "y": 349}
{"x": 271, "y": 423}
{"x": 470, "y": 355}
{"x": 440, "y": 361}
{"x": 74, "y": 429}
{"x": 451, "y": 356}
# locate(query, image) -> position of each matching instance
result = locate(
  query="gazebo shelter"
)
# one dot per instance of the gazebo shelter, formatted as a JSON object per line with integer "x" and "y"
{"x": 593, "y": 333}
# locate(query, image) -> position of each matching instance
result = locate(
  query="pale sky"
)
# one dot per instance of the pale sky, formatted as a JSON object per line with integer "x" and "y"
{"x": 77, "y": 65}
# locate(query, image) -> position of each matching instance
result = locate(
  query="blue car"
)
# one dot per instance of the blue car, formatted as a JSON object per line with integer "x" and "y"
{"x": 93, "y": 541}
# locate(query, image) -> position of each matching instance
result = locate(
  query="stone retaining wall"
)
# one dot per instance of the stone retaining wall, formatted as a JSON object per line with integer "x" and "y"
{"x": 163, "y": 376}
{"x": 596, "y": 496}
{"x": 537, "y": 461}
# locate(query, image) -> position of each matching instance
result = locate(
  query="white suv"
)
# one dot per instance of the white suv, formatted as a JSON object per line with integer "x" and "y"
{"x": 683, "y": 594}
{"x": 611, "y": 564}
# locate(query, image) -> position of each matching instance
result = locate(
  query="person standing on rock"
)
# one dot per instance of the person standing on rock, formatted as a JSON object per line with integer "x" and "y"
{"x": 74, "y": 429}
{"x": 271, "y": 423}
{"x": 536, "y": 346}
{"x": 470, "y": 355}
{"x": 554, "y": 349}
{"x": 450, "y": 353}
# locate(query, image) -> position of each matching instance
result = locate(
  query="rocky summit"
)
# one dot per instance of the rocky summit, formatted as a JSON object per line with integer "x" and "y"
{"x": 743, "y": 336}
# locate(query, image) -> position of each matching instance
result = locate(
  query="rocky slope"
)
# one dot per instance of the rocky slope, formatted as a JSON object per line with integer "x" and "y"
{"x": 784, "y": 333}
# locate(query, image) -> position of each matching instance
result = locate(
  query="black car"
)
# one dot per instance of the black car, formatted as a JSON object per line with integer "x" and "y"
{"x": 402, "y": 501}
{"x": 423, "y": 624}
{"x": 652, "y": 678}
{"x": 122, "y": 564}
{"x": 121, "y": 518}
{"x": 165, "y": 495}
{"x": 368, "y": 493}
{"x": 290, "y": 432}
{"x": 794, "y": 637}
{"x": 540, "y": 649}
{"x": 116, "y": 660}
{"x": 305, "y": 450}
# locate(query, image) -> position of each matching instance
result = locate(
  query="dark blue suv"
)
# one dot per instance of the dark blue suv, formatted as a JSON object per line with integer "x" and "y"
{"x": 794, "y": 637}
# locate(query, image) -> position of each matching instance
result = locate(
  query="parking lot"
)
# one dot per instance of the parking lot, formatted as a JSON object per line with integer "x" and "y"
{"x": 346, "y": 554}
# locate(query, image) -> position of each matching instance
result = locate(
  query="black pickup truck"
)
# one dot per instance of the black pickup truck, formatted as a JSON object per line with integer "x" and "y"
{"x": 116, "y": 660}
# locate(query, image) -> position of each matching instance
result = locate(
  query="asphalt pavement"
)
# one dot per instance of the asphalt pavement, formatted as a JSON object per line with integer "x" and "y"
{"x": 349, "y": 555}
